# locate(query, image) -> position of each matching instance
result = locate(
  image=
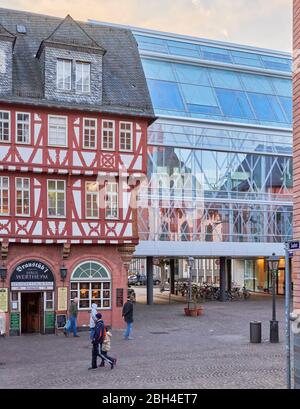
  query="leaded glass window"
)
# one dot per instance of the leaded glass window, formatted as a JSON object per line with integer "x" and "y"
{"x": 91, "y": 283}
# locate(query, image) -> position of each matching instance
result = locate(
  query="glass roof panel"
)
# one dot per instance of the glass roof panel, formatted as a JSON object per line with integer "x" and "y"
{"x": 218, "y": 94}
{"x": 158, "y": 70}
{"x": 257, "y": 83}
{"x": 220, "y": 54}
{"x": 195, "y": 94}
{"x": 189, "y": 74}
{"x": 165, "y": 95}
{"x": 282, "y": 86}
{"x": 225, "y": 79}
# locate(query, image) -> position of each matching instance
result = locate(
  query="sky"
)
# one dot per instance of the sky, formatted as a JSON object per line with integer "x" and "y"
{"x": 261, "y": 23}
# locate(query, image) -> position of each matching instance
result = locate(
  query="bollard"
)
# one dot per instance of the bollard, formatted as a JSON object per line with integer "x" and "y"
{"x": 255, "y": 332}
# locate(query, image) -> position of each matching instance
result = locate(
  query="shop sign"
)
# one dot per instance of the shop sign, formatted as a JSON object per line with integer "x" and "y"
{"x": 32, "y": 275}
{"x": 3, "y": 299}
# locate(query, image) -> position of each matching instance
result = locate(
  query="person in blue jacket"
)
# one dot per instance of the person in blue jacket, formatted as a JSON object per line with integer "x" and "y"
{"x": 97, "y": 341}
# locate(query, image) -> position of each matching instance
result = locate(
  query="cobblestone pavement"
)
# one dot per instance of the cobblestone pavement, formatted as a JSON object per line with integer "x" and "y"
{"x": 169, "y": 350}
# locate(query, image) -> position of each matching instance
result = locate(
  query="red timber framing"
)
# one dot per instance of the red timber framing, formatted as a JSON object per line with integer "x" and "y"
{"x": 75, "y": 165}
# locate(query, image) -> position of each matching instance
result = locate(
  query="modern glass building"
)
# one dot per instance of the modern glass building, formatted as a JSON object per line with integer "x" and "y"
{"x": 219, "y": 158}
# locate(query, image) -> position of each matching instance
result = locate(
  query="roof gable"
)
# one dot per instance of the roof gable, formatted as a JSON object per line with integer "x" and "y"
{"x": 70, "y": 34}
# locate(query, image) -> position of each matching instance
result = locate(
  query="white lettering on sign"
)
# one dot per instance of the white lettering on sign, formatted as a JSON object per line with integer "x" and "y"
{"x": 34, "y": 264}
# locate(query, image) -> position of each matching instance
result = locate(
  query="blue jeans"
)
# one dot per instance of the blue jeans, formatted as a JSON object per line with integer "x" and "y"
{"x": 128, "y": 330}
{"x": 73, "y": 326}
{"x": 92, "y": 333}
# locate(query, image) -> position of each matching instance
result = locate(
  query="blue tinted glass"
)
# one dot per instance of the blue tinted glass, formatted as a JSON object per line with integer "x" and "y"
{"x": 182, "y": 44}
{"x": 287, "y": 104}
{"x": 204, "y": 109}
{"x": 264, "y": 107}
{"x": 152, "y": 44}
{"x": 215, "y": 54}
{"x": 199, "y": 95}
{"x": 151, "y": 40}
{"x": 234, "y": 103}
{"x": 216, "y": 57}
{"x": 244, "y": 54}
{"x": 277, "y": 108}
{"x": 225, "y": 79}
{"x": 214, "y": 50}
{"x": 277, "y": 66}
{"x": 153, "y": 48}
{"x": 247, "y": 61}
{"x": 257, "y": 83}
{"x": 276, "y": 63}
{"x": 190, "y": 74}
{"x": 283, "y": 86}
{"x": 158, "y": 70}
{"x": 165, "y": 95}
{"x": 184, "y": 51}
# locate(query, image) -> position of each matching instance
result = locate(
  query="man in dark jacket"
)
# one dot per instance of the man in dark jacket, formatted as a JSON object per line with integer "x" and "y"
{"x": 73, "y": 311}
{"x": 127, "y": 313}
{"x": 97, "y": 340}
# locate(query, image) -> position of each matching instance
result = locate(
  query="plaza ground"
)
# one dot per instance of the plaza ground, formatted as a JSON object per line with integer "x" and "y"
{"x": 169, "y": 350}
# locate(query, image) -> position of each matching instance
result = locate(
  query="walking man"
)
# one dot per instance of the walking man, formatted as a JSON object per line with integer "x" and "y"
{"x": 73, "y": 311}
{"x": 127, "y": 313}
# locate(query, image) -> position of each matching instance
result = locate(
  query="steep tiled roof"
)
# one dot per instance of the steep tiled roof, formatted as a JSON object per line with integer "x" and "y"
{"x": 125, "y": 89}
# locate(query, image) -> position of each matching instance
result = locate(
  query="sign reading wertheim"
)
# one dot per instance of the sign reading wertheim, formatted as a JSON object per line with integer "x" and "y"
{"x": 32, "y": 275}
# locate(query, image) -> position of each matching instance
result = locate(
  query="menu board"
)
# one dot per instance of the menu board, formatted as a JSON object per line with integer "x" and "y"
{"x": 61, "y": 320}
{"x": 15, "y": 321}
{"x": 62, "y": 299}
{"x": 49, "y": 319}
{"x": 3, "y": 299}
{"x": 120, "y": 297}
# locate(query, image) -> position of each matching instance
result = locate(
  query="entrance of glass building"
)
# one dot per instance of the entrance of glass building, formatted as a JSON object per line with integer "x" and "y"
{"x": 32, "y": 312}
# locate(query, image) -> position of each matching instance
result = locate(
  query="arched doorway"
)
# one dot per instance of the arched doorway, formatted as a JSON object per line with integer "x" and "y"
{"x": 32, "y": 298}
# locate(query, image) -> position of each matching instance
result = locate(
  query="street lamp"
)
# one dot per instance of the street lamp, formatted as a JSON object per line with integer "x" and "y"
{"x": 190, "y": 263}
{"x": 273, "y": 262}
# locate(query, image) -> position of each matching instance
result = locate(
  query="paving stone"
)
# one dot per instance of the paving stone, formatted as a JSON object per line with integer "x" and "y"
{"x": 169, "y": 350}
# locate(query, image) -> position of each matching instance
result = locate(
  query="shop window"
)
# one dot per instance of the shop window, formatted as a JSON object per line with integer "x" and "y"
{"x": 91, "y": 283}
{"x": 49, "y": 300}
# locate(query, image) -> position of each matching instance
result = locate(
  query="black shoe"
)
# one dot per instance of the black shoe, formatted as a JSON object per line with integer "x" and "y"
{"x": 92, "y": 367}
{"x": 76, "y": 336}
{"x": 111, "y": 366}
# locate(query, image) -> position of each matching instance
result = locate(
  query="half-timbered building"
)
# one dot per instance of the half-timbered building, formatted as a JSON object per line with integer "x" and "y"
{"x": 74, "y": 112}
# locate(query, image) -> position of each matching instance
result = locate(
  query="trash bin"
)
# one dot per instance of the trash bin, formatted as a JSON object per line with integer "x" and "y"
{"x": 255, "y": 332}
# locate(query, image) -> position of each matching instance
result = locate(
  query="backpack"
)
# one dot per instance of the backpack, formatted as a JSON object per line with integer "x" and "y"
{"x": 102, "y": 332}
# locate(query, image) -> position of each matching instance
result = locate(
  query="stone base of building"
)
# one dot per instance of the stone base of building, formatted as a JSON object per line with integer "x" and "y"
{"x": 43, "y": 278}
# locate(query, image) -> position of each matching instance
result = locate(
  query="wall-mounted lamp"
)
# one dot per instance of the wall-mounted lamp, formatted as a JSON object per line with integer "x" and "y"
{"x": 63, "y": 272}
{"x": 3, "y": 273}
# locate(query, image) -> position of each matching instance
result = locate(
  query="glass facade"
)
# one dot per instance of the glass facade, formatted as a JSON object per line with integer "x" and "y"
{"x": 220, "y": 153}
{"x": 214, "y": 54}
{"x": 179, "y": 89}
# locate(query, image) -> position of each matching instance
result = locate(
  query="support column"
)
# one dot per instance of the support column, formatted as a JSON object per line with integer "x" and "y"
{"x": 149, "y": 280}
{"x": 229, "y": 275}
{"x": 222, "y": 279}
{"x": 172, "y": 275}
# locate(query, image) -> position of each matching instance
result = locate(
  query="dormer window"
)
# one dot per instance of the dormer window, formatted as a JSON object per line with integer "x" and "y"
{"x": 83, "y": 77}
{"x": 63, "y": 74}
